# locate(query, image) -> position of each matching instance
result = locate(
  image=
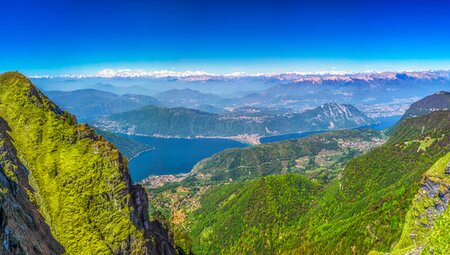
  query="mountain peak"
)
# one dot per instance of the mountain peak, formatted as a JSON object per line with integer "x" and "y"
{"x": 438, "y": 101}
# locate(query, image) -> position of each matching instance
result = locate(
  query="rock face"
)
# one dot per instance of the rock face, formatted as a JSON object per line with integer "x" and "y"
{"x": 22, "y": 228}
{"x": 440, "y": 193}
{"x": 79, "y": 182}
{"x": 447, "y": 169}
{"x": 337, "y": 116}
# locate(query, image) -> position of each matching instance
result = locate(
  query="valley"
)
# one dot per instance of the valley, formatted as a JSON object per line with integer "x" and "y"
{"x": 233, "y": 188}
{"x": 210, "y": 192}
{"x": 195, "y": 127}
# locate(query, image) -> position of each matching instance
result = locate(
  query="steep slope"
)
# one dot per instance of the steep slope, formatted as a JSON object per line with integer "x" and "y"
{"x": 428, "y": 219}
{"x": 364, "y": 209}
{"x": 184, "y": 122}
{"x": 437, "y": 101}
{"x": 81, "y": 182}
{"x": 263, "y": 216}
{"x": 90, "y": 103}
{"x": 22, "y": 228}
{"x": 333, "y": 115}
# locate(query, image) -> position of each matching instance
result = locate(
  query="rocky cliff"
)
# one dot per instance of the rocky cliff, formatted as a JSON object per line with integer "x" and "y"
{"x": 80, "y": 183}
{"x": 22, "y": 228}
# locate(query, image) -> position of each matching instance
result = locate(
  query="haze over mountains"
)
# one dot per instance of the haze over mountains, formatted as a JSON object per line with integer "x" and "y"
{"x": 89, "y": 103}
{"x": 344, "y": 191}
{"x": 378, "y": 94}
{"x": 183, "y": 122}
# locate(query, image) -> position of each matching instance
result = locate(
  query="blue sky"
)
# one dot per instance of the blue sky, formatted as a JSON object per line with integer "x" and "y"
{"x": 56, "y": 37}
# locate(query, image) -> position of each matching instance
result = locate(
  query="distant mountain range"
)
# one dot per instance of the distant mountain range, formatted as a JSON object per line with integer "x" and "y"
{"x": 377, "y": 94}
{"x": 183, "y": 122}
{"x": 89, "y": 103}
{"x": 201, "y": 75}
{"x": 187, "y": 98}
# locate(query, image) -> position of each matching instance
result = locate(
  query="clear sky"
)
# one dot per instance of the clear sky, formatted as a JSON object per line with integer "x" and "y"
{"x": 55, "y": 37}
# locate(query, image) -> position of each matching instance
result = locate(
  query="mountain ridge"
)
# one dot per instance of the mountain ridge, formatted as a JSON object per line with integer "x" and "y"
{"x": 79, "y": 175}
{"x": 184, "y": 122}
{"x": 438, "y": 101}
{"x": 91, "y": 103}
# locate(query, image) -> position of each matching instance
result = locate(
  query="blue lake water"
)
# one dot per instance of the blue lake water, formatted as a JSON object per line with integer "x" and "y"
{"x": 383, "y": 123}
{"x": 174, "y": 155}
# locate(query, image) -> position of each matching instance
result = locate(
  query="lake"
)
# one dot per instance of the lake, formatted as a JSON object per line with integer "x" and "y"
{"x": 383, "y": 123}
{"x": 174, "y": 155}
{"x": 177, "y": 155}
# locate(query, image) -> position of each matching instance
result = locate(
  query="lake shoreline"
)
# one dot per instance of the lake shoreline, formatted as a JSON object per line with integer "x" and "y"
{"x": 250, "y": 139}
{"x": 139, "y": 153}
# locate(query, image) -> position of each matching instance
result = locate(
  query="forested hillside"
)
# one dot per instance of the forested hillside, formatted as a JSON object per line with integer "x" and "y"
{"x": 363, "y": 207}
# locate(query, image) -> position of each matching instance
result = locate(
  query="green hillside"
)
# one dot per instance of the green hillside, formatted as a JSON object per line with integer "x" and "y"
{"x": 318, "y": 156}
{"x": 428, "y": 220}
{"x": 81, "y": 182}
{"x": 365, "y": 208}
{"x": 264, "y": 216}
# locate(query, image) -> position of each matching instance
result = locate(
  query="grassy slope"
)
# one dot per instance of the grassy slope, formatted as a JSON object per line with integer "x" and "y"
{"x": 426, "y": 229}
{"x": 363, "y": 209}
{"x": 366, "y": 209}
{"x": 80, "y": 182}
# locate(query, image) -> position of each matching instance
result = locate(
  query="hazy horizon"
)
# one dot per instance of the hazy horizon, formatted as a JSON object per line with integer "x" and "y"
{"x": 223, "y": 37}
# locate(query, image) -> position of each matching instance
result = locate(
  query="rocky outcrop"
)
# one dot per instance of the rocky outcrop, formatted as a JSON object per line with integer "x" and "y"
{"x": 22, "y": 228}
{"x": 439, "y": 192}
{"x": 160, "y": 241}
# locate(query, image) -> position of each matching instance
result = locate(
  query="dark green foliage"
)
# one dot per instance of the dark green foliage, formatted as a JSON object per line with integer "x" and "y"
{"x": 257, "y": 217}
{"x": 361, "y": 210}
